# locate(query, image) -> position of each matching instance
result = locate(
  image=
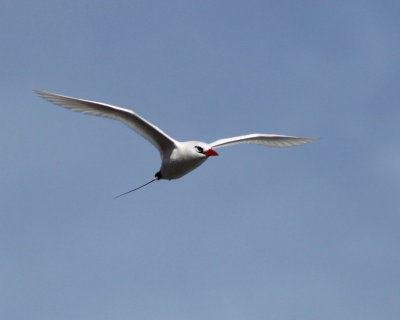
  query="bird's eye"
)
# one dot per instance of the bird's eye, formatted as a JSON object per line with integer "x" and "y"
{"x": 199, "y": 149}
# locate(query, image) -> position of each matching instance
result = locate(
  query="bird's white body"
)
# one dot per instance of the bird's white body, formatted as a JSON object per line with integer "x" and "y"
{"x": 182, "y": 159}
{"x": 178, "y": 158}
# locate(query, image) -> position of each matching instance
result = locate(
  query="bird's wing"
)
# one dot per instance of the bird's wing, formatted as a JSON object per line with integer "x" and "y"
{"x": 272, "y": 140}
{"x": 146, "y": 129}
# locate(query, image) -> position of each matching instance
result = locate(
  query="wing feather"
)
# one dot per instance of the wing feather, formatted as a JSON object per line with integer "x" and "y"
{"x": 146, "y": 129}
{"x": 272, "y": 140}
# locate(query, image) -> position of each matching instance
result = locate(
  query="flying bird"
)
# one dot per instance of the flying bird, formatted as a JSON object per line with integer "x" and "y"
{"x": 178, "y": 158}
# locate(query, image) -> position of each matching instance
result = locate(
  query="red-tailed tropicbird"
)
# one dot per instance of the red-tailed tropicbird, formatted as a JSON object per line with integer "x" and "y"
{"x": 178, "y": 158}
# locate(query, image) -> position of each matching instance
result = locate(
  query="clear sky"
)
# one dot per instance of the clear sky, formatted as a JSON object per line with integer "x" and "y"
{"x": 309, "y": 232}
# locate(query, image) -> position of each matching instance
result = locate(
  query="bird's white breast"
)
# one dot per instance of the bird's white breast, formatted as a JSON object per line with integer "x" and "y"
{"x": 180, "y": 161}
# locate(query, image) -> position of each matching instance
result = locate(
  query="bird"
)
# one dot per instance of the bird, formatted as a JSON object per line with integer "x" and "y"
{"x": 177, "y": 157}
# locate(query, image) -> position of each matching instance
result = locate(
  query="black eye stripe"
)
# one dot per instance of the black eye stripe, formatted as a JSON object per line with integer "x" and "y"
{"x": 199, "y": 149}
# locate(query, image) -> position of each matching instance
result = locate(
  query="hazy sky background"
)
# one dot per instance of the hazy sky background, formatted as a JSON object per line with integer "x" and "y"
{"x": 310, "y": 232}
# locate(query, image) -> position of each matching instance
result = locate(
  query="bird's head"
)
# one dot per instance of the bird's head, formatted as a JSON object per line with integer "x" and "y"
{"x": 198, "y": 149}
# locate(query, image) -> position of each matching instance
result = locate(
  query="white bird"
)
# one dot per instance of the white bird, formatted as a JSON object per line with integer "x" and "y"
{"x": 178, "y": 158}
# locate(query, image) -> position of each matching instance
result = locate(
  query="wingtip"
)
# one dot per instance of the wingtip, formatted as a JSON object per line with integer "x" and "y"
{"x": 39, "y": 92}
{"x": 308, "y": 140}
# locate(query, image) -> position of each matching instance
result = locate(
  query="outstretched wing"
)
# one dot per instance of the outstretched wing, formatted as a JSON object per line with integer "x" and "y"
{"x": 272, "y": 140}
{"x": 146, "y": 129}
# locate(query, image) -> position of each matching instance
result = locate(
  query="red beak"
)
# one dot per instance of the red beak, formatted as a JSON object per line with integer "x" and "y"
{"x": 210, "y": 152}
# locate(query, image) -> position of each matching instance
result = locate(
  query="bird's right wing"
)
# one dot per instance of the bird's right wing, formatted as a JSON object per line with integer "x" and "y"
{"x": 146, "y": 129}
{"x": 272, "y": 140}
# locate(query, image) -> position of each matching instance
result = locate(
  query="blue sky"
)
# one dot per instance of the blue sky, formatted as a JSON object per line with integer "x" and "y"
{"x": 309, "y": 232}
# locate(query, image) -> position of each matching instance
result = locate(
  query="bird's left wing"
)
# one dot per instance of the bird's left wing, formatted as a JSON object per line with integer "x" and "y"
{"x": 272, "y": 140}
{"x": 146, "y": 129}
